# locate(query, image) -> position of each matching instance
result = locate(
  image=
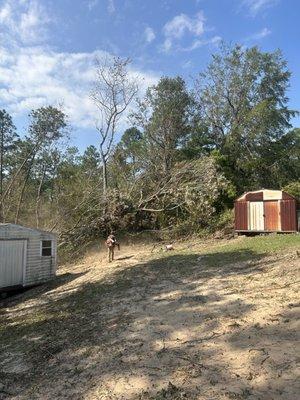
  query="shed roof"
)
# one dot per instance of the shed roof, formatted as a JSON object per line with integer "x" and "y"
{"x": 25, "y": 228}
{"x": 265, "y": 194}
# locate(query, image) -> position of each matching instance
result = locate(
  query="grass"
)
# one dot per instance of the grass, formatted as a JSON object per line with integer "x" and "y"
{"x": 267, "y": 244}
{"x": 254, "y": 247}
{"x": 239, "y": 250}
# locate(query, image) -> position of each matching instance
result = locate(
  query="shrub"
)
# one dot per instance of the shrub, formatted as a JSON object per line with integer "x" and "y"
{"x": 293, "y": 189}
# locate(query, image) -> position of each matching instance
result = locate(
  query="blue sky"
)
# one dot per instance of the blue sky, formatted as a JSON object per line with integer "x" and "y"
{"x": 48, "y": 47}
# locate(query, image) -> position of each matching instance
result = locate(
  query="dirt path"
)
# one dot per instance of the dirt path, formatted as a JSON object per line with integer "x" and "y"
{"x": 165, "y": 326}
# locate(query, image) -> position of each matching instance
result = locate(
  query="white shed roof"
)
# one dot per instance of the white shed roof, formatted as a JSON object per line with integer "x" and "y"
{"x": 24, "y": 228}
{"x": 265, "y": 194}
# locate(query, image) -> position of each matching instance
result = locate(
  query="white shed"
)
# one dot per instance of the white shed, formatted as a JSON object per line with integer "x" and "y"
{"x": 27, "y": 256}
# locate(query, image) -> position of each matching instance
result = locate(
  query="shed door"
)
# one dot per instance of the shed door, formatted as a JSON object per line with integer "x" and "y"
{"x": 271, "y": 216}
{"x": 256, "y": 216}
{"x": 12, "y": 254}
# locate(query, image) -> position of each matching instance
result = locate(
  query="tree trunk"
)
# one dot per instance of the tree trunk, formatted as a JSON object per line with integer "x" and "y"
{"x": 7, "y": 206}
{"x": 8, "y": 189}
{"x": 104, "y": 174}
{"x": 166, "y": 164}
{"x": 1, "y": 175}
{"x": 38, "y": 199}
{"x": 21, "y": 199}
{"x": 22, "y": 192}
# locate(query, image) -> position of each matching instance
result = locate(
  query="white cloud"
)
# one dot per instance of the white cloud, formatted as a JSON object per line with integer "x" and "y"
{"x": 149, "y": 34}
{"x": 256, "y": 6}
{"x": 182, "y": 25}
{"x": 261, "y": 34}
{"x": 24, "y": 21}
{"x": 199, "y": 43}
{"x": 187, "y": 64}
{"x": 5, "y": 13}
{"x": 111, "y": 8}
{"x": 91, "y": 4}
{"x": 33, "y": 75}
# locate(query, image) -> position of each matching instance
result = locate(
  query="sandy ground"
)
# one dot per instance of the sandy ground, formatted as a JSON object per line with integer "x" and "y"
{"x": 156, "y": 326}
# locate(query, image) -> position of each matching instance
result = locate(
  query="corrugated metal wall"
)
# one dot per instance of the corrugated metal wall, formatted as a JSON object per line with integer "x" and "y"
{"x": 256, "y": 196}
{"x": 266, "y": 211}
{"x": 12, "y": 262}
{"x": 241, "y": 215}
{"x": 288, "y": 215}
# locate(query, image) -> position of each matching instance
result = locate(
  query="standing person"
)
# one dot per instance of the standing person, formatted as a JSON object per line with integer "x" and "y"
{"x": 111, "y": 243}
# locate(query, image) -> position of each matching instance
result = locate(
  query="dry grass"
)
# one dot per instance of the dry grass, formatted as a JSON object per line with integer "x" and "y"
{"x": 210, "y": 320}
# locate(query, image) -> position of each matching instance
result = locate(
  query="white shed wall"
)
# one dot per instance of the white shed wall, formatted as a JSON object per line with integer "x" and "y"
{"x": 37, "y": 269}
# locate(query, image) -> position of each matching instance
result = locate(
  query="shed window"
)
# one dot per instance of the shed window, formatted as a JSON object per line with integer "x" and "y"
{"x": 46, "y": 248}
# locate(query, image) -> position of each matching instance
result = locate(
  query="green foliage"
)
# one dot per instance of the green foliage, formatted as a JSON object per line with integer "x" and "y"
{"x": 178, "y": 169}
{"x": 8, "y": 140}
{"x": 129, "y": 155}
{"x": 293, "y": 189}
{"x": 197, "y": 143}
{"x": 242, "y": 100}
{"x": 46, "y": 124}
{"x": 8, "y": 135}
{"x": 90, "y": 162}
{"x": 164, "y": 117}
{"x": 130, "y": 143}
{"x": 34, "y": 161}
{"x": 8, "y": 143}
{"x": 223, "y": 222}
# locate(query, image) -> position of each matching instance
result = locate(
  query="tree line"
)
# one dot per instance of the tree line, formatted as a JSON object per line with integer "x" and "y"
{"x": 188, "y": 153}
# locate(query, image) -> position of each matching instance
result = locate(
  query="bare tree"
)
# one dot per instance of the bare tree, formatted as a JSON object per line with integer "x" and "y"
{"x": 113, "y": 91}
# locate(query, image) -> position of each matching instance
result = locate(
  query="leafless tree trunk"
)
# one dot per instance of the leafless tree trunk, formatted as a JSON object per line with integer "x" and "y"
{"x": 104, "y": 172}
{"x": 38, "y": 199}
{"x": 21, "y": 199}
{"x": 1, "y": 175}
{"x": 113, "y": 91}
{"x": 23, "y": 190}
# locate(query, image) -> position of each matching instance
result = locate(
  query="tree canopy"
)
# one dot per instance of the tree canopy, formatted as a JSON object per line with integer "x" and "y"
{"x": 187, "y": 153}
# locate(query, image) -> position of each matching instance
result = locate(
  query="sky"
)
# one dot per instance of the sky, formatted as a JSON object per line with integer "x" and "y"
{"x": 48, "y": 47}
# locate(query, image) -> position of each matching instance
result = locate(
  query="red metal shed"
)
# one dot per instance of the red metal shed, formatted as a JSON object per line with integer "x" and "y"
{"x": 266, "y": 211}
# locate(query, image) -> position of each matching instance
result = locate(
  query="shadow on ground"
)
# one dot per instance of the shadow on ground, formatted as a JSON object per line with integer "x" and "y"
{"x": 172, "y": 319}
{"x": 19, "y": 295}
